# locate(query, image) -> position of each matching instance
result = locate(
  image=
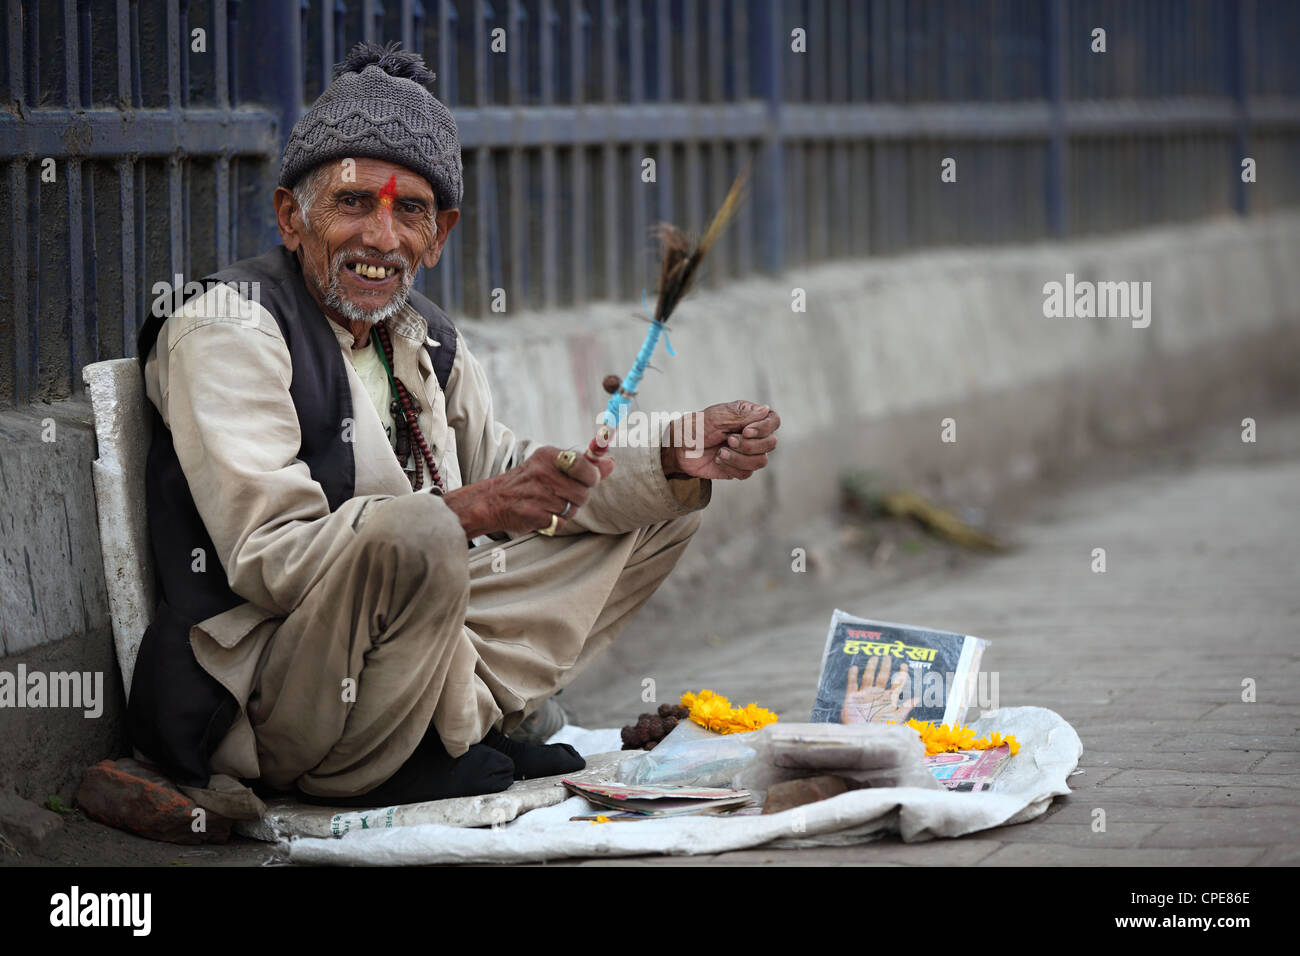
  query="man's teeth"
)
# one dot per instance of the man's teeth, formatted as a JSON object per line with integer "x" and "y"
{"x": 373, "y": 272}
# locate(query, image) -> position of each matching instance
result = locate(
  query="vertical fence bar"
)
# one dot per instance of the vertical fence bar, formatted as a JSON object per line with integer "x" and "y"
{"x": 24, "y": 41}
{"x": 716, "y": 55}
{"x": 126, "y": 205}
{"x": 664, "y": 94}
{"x": 744, "y": 230}
{"x": 71, "y": 68}
{"x": 482, "y": 206}
{"x": 580, "y": 260}
{"x": 182, "y": 51}
{"x": 838, "y": 35}
{"x": 450, "y": 262}
{"x": 612, "y": 220}
{"x": 91, "y": 303}
{"x": 123, "y": 24}
{"x": 797, "y": 155}
{"x": 520, "y": 295}
{"x": 1056, "y": 62}
{"x": 819, "y": 46}
{"x": 406, "y": 27}
{"x": 137, "y": 169}
{"x": 1242, "y": 55}
{"x": 175, "y": 174}
{"x": 221, "y": 54}
{"x": 328, "y": 44}
{"x": 770, "y": 186}
{"x": 694, "y": 201}
{"x": 550, "y": 230}
{"x": 222, "y": 211}
{"x": 881, "y": 49}
{"x": 24, "y": 358}
{"x": 31, "y": 23}
{"x": 717, "y": 152}
{"x": 232, "y": 49}
{"x": 516, "y": 44}
{"x": 480, "y": 53}
{"x": 637, "y": 149}
{"x": 221, "y": 66}
{"x": 76, "y": 315}
{"x": 899, "y": 41}
{"x": 368, "y": 21}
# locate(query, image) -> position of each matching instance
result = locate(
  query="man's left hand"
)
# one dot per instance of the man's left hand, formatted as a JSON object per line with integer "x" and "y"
{"x": 731, "y": 440}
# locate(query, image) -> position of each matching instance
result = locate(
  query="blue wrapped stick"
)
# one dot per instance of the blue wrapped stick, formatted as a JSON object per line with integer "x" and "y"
{"x": 679, "y": 265}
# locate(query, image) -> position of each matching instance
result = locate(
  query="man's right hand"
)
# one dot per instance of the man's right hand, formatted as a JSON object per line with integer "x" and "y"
{"x": 524, "y": 498}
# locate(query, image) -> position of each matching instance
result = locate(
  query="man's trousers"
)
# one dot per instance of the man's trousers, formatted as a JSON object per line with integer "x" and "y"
{"x": 398, "y": 635}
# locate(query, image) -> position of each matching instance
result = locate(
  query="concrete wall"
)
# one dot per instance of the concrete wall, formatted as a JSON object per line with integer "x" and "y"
{"x": 53, "y": 607}
{"x": 862, "y": 379}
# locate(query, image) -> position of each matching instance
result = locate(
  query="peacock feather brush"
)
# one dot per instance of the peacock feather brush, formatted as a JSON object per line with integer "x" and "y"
{"x": 678, "y": 266}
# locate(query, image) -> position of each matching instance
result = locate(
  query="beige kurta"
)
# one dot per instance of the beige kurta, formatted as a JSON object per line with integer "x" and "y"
{"x": 220, "y": 374}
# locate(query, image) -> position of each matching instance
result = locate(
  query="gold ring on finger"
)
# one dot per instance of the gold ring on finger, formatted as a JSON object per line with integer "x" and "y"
{"x": 549, "y": 531}
{"x": 565, "y": 459}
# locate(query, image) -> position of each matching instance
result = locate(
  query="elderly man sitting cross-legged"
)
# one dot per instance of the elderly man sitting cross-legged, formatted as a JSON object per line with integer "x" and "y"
{"x": 368, "y": 582}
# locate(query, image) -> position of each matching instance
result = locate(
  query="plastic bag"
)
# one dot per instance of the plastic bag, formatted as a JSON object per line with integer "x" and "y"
{"x": 871, "y": 755}
{"x": 690, "y": 756}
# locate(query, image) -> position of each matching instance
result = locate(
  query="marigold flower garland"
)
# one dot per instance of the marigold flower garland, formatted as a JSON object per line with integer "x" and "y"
{"x": 949, "y": 739}
{"x": 714, "y": 712}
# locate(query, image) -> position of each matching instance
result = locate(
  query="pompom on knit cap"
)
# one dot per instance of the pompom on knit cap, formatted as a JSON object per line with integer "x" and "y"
{"x": 378, "y": 106}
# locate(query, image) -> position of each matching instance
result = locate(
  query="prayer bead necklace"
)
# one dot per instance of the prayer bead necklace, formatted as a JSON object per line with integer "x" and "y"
{"x": 411, "y": 417}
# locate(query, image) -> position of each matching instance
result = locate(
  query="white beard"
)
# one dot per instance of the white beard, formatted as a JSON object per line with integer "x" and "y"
{"x": 355, "y": 313}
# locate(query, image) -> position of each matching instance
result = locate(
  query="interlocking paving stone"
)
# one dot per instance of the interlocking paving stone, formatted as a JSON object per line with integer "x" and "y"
{"x": 1035, "y": 854}
{"x": 1079, "y": 812}
{"x": 1116, "y": 834}
{"x": 1237, "y": 830}
{"x": 1187, "y": 778}
{"x": 1253, "y": 743}
{"x": 959, "y": 852}
{"x": 1161, "y": 759}
{"x": 1281, "y": 856}
{"x": 1248, "y": 796}
{"x": 1287, "y": 762}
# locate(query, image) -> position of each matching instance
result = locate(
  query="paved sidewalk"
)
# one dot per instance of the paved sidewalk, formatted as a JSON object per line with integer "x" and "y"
{"x": 1147, "y": 660}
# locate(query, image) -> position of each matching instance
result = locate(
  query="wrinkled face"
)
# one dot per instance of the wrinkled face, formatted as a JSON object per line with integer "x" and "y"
{"x": 368, "y": 230}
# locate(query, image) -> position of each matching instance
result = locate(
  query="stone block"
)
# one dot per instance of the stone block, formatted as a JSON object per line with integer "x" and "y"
{"x": 24, "y": 825}
{"x": 131, "y": 796}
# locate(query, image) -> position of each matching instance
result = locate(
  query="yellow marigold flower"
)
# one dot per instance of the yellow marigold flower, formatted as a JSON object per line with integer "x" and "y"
{"x": 714, "y": 712}
{"x": 958, "y": 737}
{"x": 599, "y": 819}
{"x": 753, "y": 717}
{"x": 995, "y": 740}
{"x": 947, "y": 739}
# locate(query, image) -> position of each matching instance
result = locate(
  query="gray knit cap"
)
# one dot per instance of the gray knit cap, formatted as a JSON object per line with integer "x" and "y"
{"x": 378, "y": 106}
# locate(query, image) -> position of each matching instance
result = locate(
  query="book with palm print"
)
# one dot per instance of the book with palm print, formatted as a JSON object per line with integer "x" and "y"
{"x": 875, "y": 671}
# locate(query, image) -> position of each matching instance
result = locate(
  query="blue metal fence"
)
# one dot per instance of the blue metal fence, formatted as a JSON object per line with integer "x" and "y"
{"x": 164, "y": 155}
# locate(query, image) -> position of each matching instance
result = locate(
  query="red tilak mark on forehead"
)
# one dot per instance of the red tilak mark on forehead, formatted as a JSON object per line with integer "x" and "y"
{"x": 389, "y": 192}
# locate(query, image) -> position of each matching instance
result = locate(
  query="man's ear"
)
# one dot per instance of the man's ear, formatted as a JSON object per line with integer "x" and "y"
{"x": 446, "y": 220}
{"x": 288, "y": 217}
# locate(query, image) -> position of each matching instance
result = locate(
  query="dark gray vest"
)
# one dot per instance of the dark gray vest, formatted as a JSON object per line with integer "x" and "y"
{"x": 178, "y": 714}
